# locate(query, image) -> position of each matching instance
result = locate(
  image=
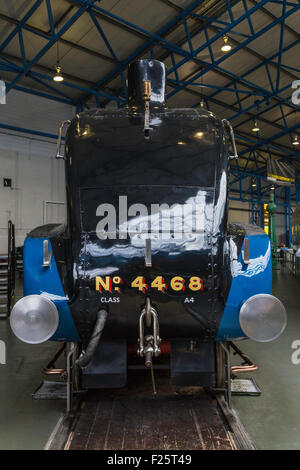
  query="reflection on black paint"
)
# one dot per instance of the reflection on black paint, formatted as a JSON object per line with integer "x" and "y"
{"x": 186, "y": 156}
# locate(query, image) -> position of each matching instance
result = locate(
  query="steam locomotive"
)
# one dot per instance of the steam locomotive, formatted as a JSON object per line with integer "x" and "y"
{"x": 147, "y": 261}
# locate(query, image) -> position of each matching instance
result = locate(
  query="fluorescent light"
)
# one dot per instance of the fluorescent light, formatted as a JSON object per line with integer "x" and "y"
{"x": 255, "y": 127}
{"x": 295, "y": 140}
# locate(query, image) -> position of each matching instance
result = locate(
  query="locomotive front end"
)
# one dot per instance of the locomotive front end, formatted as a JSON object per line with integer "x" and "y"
{"x": 147, "y": 261}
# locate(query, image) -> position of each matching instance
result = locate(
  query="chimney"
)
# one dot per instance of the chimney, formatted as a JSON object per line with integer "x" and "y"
{"x": 146, "y": 83}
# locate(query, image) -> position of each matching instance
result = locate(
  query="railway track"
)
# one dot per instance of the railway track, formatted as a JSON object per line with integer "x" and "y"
{"x": 135, "y": 419}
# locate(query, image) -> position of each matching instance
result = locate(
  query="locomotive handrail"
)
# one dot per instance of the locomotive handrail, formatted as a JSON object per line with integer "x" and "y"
{"x": 60, "y": 130}
{"x": 227, "y": 123}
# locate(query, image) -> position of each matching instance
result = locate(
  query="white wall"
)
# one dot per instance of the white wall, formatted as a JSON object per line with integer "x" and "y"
{"x": 239, "y": 212}
{"x": 35, "y": 178}
{"x": 30, "y": 162}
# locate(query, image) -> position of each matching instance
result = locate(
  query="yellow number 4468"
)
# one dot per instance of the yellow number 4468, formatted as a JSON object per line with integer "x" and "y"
{"x": 140, "y": 283}
{"x": 159, "y": 284}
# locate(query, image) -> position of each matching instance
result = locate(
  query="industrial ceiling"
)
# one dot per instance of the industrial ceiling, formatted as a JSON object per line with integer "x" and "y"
{"x": 94, "y": 41}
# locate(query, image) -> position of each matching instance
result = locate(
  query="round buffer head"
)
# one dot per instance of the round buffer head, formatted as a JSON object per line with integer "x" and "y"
{"x": 263, "y": 317}
{"x": 34, "y": 319}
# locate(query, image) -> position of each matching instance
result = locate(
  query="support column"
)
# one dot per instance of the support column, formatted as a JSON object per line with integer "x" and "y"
{"x": 271, "y": 208}
{"x": 289, "y": 218}
{"x": 297, "y": 184}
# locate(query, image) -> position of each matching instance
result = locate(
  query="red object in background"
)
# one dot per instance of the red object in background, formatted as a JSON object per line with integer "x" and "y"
{"x": 165, "y": 348}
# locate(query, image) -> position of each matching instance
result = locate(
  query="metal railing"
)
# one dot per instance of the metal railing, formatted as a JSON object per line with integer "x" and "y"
{"x": 8, "y": 273}
{"x": 290, "y": 262}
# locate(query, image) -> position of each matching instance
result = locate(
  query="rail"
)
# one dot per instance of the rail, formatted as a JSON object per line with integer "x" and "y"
{"x": 290, "y": 262}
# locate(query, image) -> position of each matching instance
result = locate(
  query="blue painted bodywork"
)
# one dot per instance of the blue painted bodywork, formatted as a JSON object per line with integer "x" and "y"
{"x": 247, "y": 280}
{"x": 45, "y": 281}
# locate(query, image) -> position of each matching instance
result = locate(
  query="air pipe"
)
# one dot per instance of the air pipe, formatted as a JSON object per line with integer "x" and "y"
{"x": 87, "y": 355}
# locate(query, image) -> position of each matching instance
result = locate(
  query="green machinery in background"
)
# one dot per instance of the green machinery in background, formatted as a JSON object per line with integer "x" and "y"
{"x": 271, "y": 208}
{"x": 296, "y": 240}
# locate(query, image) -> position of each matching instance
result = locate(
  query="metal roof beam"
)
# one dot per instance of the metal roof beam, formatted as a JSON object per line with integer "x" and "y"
{"x": 132, "y": 28}
{"x": 255, "y": 144}
{"x": 47, "y": 75}
{"x": 112, "y": 20}
{"x": 86, "y": 4}
{"x": 273, "y": 17}
{"x": 173, "y": 83}
{"x": 153, "y": 39}
{"x": 263, "y": 169}
{"x": 218, "y": 69}
{"x": 235, "y": 50}
{"x": 46, "y": 35}
{"x": 192, "y": 56}
{"x": 20, "y": 24}
{"x": 276, "y": 96}
{"x": 214, "y": 28}
{"x": 252, "y": 116}
{"x": 44, "y": 95}
{"x": 193, "y": 32}
{"x": 265, "y": 110}
{"x": 110, "y": 49}
{"x": 14, "y": 61}
{"x": 216, "y": 87}
{"x": 227, "y": 106}
{"x": 276, "y": 147}
{"x": 274, "y": 137}
{"x": 236, "y": 79}
{"x": 27, "y": 131}
{"x": 275, "y": 150}
{"x": 265, "y": 61}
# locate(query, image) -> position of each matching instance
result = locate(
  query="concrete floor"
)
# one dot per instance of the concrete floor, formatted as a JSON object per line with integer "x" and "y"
{"x": 272, "y": 420}
{"x": 24, "y": 423}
